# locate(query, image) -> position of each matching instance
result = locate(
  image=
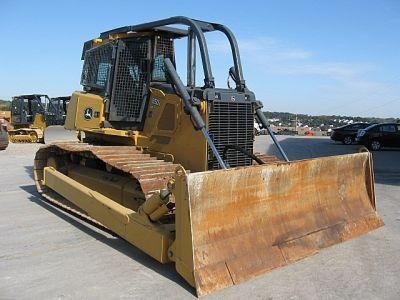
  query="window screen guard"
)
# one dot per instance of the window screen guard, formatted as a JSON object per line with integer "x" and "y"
{"x": 96, "y": 68}
{"x": 124, "y": 66}
{"x": 131, "y": 77}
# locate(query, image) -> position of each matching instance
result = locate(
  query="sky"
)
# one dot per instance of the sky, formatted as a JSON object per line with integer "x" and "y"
{"x": 332, "y": 57}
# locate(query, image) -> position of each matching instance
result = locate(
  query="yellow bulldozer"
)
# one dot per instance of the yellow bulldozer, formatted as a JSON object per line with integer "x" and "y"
{"x": 55, "y": 119}
{"x": 170, "y": 167}
{"x": 29, "y": 118}
{"x": 35, "y": 118}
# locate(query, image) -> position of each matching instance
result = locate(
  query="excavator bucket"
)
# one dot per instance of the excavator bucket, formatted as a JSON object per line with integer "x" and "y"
{"x": 249, "y": 220}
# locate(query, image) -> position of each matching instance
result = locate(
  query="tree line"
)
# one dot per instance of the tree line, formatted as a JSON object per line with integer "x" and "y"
{"x": 288, "y": 119}
{"x": 5, "y": 105}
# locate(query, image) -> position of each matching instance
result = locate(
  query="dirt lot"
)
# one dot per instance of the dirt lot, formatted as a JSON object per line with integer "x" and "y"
{"x": 47, "y": 254}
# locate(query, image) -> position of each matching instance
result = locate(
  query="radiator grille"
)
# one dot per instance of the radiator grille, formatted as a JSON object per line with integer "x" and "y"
{"x": 231, "y": 123}
{"x": 130, "y": 79}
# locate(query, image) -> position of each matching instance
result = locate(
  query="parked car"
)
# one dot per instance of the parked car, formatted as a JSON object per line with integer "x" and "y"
{"x": 347, "y": 133}
{"x": 380, "y": 135}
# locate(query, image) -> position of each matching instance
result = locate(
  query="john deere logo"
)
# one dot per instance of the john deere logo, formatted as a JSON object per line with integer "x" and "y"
{"x": 88, "y": 113}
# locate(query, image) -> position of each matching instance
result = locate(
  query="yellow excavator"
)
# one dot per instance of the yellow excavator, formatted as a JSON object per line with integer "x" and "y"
{"x": 170, "y": 167}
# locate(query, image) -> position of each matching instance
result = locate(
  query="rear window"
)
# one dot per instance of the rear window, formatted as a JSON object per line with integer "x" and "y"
{"x": 357, "y": 126}
{"x": 388, "y": 128}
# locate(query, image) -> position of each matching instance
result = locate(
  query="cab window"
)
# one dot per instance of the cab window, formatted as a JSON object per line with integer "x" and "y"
{"x": 388, "y": 128}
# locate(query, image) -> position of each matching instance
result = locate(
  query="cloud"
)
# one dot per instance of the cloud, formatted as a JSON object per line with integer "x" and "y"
{"x": 271, "y": 49}
{"x": 272, "y": 56}
{"x": 276, "y": 56}
{"x": 261, "y": 47}
{"x": 332, "y": 86}
{"x": 335, "y": 70}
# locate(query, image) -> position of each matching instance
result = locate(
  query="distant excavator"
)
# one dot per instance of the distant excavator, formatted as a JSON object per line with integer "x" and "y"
{"x": 170, "y": 167}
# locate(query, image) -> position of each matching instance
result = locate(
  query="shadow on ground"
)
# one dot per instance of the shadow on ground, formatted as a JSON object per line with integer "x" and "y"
{"x": 29, "y": 171}
{"x": 388, "y": 178}
{"x": 113, "y": 241}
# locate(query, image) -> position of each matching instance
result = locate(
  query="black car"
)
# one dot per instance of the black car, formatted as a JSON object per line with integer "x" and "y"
{"x": 380, "y": 135}
{"x": 347, "y": 133}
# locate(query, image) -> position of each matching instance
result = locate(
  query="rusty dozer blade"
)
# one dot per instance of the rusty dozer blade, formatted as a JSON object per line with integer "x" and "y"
{"x": 246, "y": 221}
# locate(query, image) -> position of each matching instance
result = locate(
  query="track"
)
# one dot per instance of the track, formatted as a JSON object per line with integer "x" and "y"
{"x": 152, "y": 174}
{"x": 25, "y": 135}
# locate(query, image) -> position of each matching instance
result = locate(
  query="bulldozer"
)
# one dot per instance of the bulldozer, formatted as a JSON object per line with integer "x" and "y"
{"x": 170, "y": 167}
{"x": 29, "y": 118}
{"x": 58, "y": 107}
{"x": 56, "y": 114}
{"x": 36, "y": 118}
